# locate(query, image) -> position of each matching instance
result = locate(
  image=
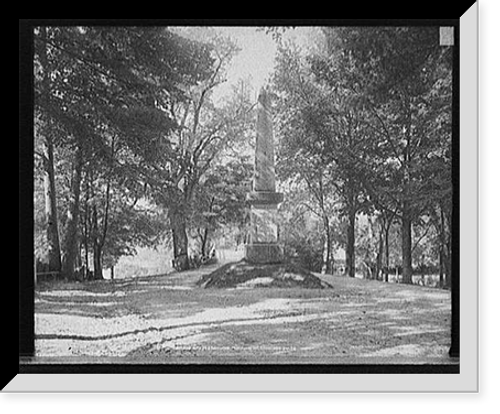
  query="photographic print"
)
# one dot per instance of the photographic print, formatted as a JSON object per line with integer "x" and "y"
{"x": 259, "y": 198}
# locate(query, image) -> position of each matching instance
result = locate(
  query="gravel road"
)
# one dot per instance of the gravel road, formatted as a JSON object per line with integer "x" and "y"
{"x": 168, "y": 319}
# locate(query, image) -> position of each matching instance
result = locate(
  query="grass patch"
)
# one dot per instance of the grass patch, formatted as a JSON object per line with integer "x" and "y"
{"x": 241, "y": 275}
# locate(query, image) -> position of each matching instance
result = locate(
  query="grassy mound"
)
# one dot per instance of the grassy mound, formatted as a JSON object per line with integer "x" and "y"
{"x": 248, "y": 275}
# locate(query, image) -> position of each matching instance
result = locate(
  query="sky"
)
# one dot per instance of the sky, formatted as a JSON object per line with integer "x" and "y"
{"x": 256, "y": 59}
{"x": 254, "y": 62}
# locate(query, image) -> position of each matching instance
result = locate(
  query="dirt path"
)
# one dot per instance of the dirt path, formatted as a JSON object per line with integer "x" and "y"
{"x": 169, "y": 319}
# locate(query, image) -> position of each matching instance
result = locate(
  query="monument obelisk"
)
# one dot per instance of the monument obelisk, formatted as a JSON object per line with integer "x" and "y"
{"x": 264, "y": 264}
{"x": 262, "y": 242}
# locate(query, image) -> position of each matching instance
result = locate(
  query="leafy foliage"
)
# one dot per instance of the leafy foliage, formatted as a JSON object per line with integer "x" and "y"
{"x": 368, "y": 117}
{"x": 101, "y": 97}
{"x": 132, "y": 150}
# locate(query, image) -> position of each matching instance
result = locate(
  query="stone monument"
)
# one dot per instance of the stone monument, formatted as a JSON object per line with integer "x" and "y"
{"x": 264, "y": 265}
{"x": 262, "y": 241}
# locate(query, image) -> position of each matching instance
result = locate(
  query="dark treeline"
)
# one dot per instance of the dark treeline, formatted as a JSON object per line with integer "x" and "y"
{"x": 131, "y": 149}
{"x": 125, "y": 133}
{"x": 365, "y": 125}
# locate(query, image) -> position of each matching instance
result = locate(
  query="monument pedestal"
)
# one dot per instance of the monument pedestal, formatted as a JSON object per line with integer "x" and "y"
{"x": 262, "y": 242}
{"x": 263, "y": 246}
{"x": 264, "y": 253}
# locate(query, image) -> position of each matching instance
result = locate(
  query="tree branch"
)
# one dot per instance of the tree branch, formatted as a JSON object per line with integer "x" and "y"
{"x": 312, "y": 210}
{"x": 42, "y": 156}
{"x": 421, "y": 237}
{"x": 90, "y": 63}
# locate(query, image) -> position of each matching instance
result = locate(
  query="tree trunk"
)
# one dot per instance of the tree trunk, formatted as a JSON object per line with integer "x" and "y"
{"x": 71, "y": 237}
{"x": 349, "y": 251}
{"x": 97, "y": 250}
{"x": 327, "y": 247}
{"x": 447, "y": 265}
{"x": 326, "y": 267}
{"x": 380, "y": 255}
{"x": 86, "y": 221}
{"x": 100, "y": 239}
{"x": 54, "y": 246}
{"x": 441, "y": 267}
{"x": 386, "y": 245}
{"x": 446, "y": 227}
{"x": 406, "y": 206}
{"x": 205, "y": 243}
{"x": 180, "y": 241}
{"x": 441, "y": 225}
{"x": 205, "y": 236}
{"x": 406, "y": 245}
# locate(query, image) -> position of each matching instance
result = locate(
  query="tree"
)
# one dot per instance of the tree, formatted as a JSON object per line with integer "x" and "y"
{"x": 402, "y": 78}
{"x": 322, "y": 116}
{"x": 301, "y": 165}
{"x": 205, "y": 132}
{"x": 98, "y": 78}
{"x": 371, "y": 110}
{"x": 220, "y": 201}
{"x": 45, "y": 151}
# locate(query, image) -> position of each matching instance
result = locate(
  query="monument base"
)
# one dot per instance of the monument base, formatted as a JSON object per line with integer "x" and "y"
{"x": 245, "y": 275}
{"x": 264, "y": 253}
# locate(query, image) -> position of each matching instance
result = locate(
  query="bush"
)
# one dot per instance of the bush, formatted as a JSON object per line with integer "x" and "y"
{"x": 305, "y": 252}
